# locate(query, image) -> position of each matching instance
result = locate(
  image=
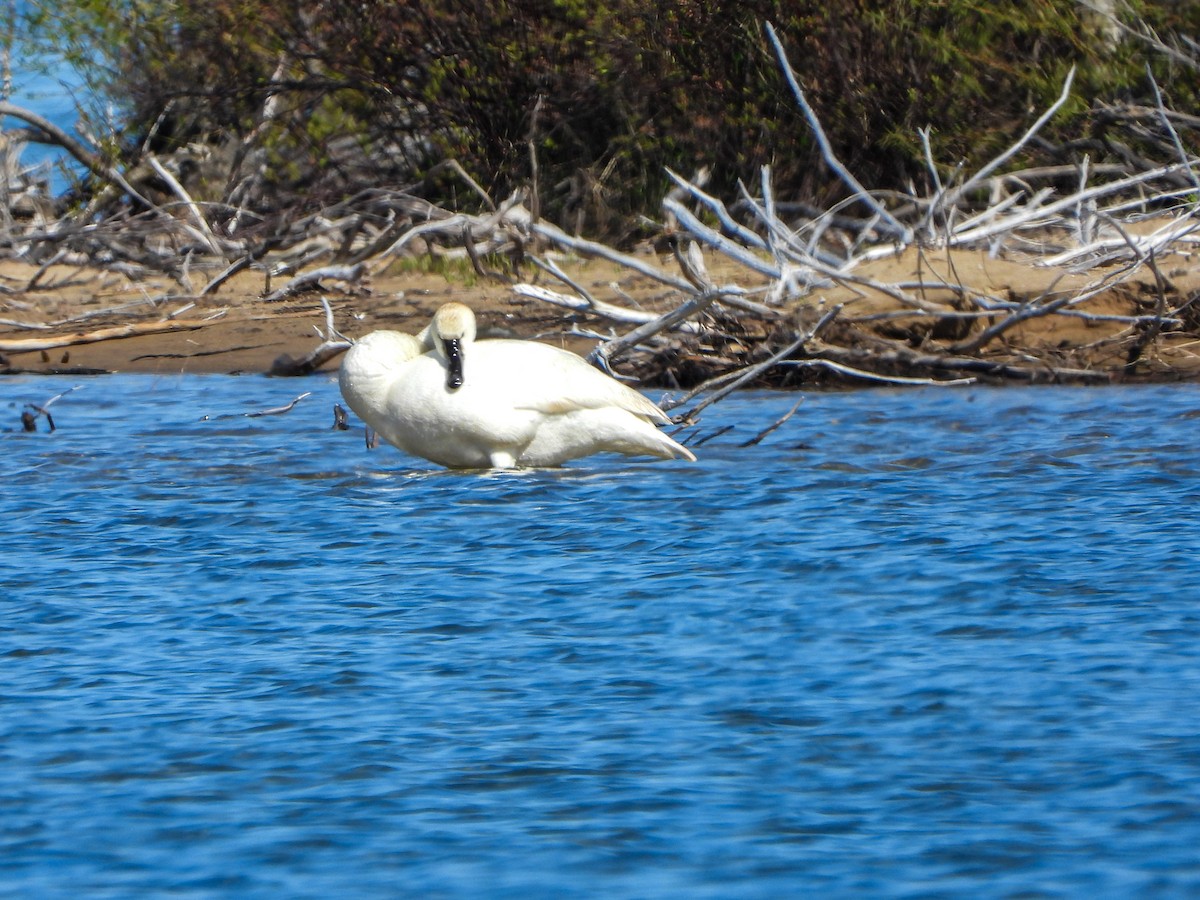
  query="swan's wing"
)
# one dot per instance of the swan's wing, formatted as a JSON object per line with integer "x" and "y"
{"x": 556, "y": 382}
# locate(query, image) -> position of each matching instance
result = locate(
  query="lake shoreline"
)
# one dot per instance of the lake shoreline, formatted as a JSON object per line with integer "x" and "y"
{"x": 83, "y": 321}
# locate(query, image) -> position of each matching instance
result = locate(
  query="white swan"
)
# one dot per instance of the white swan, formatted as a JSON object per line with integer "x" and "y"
{"x": 495, "y": 403}
{"x": 369, "y": 369}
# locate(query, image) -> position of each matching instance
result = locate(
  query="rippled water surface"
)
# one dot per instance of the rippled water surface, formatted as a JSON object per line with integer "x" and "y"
{"x": 914, "y": 643}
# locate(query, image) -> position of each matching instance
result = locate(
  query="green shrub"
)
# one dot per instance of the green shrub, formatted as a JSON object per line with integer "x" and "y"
{"x": 609, "y": 94}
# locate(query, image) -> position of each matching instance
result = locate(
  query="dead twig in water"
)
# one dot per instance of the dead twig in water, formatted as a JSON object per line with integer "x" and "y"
{"x": 774, "y": 425}
{"x": 875, "y": 376}
{"x": 29, "y": 419}
{"x": 708, "y": 437}
{"x": 273, "y": 411}
{"x": 277, "y": 410}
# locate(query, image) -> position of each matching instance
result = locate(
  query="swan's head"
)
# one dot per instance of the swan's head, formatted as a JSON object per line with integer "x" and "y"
{"x": 452, "y": 328}
{"x": 371, "y": 364}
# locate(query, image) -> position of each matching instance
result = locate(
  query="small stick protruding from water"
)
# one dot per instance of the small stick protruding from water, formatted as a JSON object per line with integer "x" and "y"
{"x": 273, "y": 411}
{"x": 277, "y": 410}
{"x": 29, "y": 415}
{"x": 762, "y": 434}
{"x": 708, "y": 437}
{"x": 341, "y": 418}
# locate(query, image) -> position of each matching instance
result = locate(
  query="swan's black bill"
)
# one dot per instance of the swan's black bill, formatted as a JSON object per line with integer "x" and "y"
{"x": 454, "y": 364}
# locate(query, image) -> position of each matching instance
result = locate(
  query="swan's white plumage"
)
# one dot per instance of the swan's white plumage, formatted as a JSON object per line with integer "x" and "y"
{"x": 369, "y": 369}
{"x": 520, "y": 403}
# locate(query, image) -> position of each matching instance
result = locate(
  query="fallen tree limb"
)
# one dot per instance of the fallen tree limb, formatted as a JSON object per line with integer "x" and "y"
{"x": 844, "y": 369}
{"x": 29, "y": 415}
{"x": 273, "y": 411}
{"x": 237, "y": 266}
{"x": 582, "y": 304}
{"x": 748, "y": 374}
{"x": 894, "y": 227}
{"x": 1001, "y": 369}
{"x": 609, "y": 350}
{"x": 952, "y": 197}
{"x": 202, "y": 229}
{"x": 332, "y": 345}
{"x": 1042, "y": 215}
{"x": 592, "y": 248}
{"x": 312, "y": 280}
{"x": 1038, "y": 308}
{"x": 134, "y": 329}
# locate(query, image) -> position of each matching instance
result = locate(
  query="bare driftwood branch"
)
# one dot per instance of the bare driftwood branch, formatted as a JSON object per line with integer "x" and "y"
{"x": 547, "y": 265}
{"x": 1170, "y": 128}
{"x": 202, "y": 230}
{"x": 894, "y": 227}
{"x": 739, "y": 231}
{"x": 311, "y": 281}
{"x": 237, "y": 266}
{"x": 844, "y": 369}
{"x": 955, "y": 194}
{"x": 133, "y": 329}
{"x": 735, "y": 251}
{"x": 584, "y": 305}
{"x": 750, "y": 372}
{"x": 1000, "y": 369}
{"x": 1041, "y": 216}
{"x": 610, "y": 350}
{"x": 333, "y": 344}
{"x": 595, "y": 249}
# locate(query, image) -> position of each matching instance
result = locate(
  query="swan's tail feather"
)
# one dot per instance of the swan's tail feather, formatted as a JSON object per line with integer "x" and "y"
{"x": 672, "y": 449}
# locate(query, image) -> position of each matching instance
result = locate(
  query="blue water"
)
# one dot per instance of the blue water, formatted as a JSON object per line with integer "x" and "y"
{"x": 916, "y": 643}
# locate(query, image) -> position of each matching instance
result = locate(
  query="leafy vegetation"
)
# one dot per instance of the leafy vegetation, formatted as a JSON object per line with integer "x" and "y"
{"x": 312, "y": 101}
